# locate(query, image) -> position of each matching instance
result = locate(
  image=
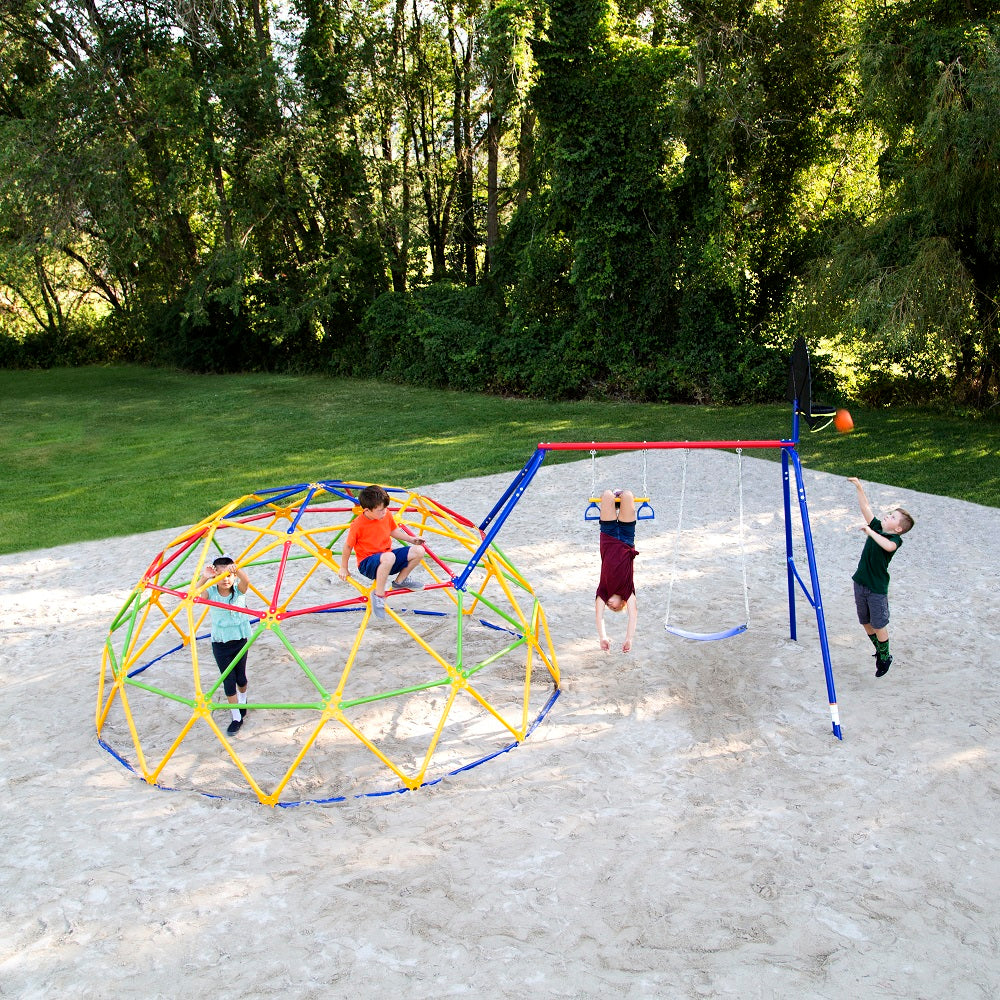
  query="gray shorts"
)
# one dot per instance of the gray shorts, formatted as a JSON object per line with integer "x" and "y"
{"x": 873, "y": 609}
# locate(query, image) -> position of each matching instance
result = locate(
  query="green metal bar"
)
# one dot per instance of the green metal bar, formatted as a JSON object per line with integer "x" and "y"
{"x": 133, "y": 621}
{"x": 494, "y": 608}
{"x": 136, "y": 596}
{"x": 490, "y": 659}
{"x": 116, "y": 668}
{"x": 245, "y": 648}
{"x": 176, "y": 567}
{"x": 152, "y": 689}
{"x": 317, "y": 705}
{"x": 442, "y": 682}
{"x": 298, "y": 659}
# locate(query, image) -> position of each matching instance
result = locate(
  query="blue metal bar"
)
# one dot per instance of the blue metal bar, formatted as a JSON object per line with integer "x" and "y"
{"x": 789, "y": 550}
{"x": 302, "y": 509}
{"x": 817, "y": 599}
{"x": 532, "y": 465}
{"x": 508, "y": 503}
{"x": 274, "y": 497}
{"x": 339, "y": 487}
{"x": 802, "y": 584}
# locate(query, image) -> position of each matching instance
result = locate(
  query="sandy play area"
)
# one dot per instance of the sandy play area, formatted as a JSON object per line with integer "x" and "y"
{"x": 682, "y": 824}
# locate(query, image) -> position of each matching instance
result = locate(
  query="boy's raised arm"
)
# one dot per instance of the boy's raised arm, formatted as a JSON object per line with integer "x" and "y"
{"x": 866, "y": 509}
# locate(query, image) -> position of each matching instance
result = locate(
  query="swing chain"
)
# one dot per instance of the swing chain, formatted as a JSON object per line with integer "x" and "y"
{"x": 677, "y": 535}
{"x": 743, "y": 550}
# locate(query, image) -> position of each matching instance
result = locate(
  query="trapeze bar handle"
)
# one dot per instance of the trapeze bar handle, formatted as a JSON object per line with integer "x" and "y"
{"x": 644, "y": 512}
{"x": 707, "y": 636}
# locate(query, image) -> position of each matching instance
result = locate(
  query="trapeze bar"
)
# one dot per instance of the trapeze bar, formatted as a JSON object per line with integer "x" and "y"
{"x": 640, "y": 445}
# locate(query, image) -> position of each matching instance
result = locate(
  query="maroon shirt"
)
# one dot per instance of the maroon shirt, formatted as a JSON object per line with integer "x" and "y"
{"x": 616, "y": 569}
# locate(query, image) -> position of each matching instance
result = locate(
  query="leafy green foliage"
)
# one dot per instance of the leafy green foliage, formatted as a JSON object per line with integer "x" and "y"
{"x": 439, "y": 336}
{"x": 921, "y": 274}
{"x": 636, "y": 200}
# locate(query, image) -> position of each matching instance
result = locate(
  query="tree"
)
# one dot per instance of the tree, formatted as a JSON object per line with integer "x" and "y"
{"x": 919, "y": 274}
{"x": 756, "y": 112}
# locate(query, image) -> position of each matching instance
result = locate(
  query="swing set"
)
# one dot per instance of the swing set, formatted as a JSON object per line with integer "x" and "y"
{"x": 815, "y": 416}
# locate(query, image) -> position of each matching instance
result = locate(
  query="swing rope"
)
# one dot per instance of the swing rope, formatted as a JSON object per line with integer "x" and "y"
{"x": 736, "y": 629}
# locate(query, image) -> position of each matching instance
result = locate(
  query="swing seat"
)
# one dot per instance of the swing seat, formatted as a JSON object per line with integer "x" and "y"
{"x": 643, "y": 509}
{"x": 707, "y": 636}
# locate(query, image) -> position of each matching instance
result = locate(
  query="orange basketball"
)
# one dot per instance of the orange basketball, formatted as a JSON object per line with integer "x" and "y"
{"x": 843, "y": 422}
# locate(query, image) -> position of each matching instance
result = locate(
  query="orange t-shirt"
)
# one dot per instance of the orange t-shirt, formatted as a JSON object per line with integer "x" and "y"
{"x": 367, "y": 537}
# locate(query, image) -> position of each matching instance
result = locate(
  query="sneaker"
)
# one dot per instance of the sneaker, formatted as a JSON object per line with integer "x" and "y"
{"x": 243, "y": 713}
{"x": 234, "y": 726}
{"x": 412, "y": 582}
{"x": 378, "y": 607}
{"x": 882, "y": 666}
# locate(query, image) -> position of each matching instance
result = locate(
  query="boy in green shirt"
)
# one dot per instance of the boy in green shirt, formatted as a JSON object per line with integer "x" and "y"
{"x": 871, "y": 578}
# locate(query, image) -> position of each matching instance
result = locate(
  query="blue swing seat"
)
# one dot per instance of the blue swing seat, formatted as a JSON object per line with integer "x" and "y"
{"x": 707, "y": 636}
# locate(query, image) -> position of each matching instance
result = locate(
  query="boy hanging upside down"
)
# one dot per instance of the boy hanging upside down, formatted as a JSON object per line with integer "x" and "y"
{"x": 616, "y": 589}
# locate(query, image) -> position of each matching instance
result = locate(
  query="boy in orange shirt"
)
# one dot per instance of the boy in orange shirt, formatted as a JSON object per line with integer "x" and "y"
{"x": 369, "y": 538}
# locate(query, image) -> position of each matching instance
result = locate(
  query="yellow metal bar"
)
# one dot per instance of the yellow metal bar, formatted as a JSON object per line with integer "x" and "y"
{"x": 457, "y": 684}
{"x": 277, "y": 790}
{"x": 155, "y": 775}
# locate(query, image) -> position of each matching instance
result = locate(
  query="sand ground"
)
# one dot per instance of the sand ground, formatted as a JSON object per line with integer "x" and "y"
{"x": 682, "y": 824}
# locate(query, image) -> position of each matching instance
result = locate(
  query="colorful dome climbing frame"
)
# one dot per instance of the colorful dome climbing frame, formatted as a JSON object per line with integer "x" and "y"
{"x": 336, "y": 698}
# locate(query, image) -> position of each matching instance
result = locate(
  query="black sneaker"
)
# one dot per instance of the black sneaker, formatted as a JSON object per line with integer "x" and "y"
{"x": 882, "y": 666}
{"x": 243, "y": 713}
{"x": 234, "y": 726}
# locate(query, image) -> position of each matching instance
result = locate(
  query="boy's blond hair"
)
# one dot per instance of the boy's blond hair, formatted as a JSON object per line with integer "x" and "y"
{"x": 909, "y": 519}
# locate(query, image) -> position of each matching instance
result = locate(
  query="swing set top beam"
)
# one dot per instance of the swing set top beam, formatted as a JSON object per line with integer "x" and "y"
{"x": 640, "y": 445}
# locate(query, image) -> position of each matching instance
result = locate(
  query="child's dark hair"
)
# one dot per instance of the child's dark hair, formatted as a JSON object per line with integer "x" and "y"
{"x": 372, "y": 497}
{"x": 223, "y": 561}
{"x": 909, "y": 519}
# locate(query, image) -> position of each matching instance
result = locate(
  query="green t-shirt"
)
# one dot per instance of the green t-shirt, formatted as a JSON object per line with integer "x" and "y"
{"x": 873, "y": 569}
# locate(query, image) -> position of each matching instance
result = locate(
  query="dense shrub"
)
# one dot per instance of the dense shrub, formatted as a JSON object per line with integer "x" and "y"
{"x": 442, "y": 335}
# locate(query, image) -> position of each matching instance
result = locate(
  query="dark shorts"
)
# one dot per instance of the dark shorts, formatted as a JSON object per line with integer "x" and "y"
{"x": 873, "y": 609}
{"x": 224, "y": 653}
{"x": 369, "y": 565}
{"x": 624, "y": 531}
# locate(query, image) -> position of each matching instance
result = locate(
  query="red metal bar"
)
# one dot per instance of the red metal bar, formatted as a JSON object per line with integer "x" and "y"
{"x": 639, "y": 445}
{"x": 281, "y": 576}
{"x": 158, "y": 566}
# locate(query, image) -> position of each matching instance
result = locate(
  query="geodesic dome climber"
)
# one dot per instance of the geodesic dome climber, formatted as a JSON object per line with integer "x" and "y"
{"x": 457, "y": 673}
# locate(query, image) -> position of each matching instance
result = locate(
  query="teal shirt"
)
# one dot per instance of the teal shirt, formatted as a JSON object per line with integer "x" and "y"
{"x": 228, "y": 625}
{"x": 873, "y": 569}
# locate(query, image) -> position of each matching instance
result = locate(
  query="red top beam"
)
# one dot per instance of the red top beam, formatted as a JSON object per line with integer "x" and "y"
{"x": 637, "y": 445}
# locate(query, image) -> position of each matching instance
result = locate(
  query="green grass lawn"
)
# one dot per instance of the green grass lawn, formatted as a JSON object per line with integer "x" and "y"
{"x": 96, "y": 452}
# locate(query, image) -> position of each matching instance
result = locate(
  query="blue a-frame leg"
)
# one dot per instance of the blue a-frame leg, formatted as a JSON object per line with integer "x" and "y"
{"x": 790, "y": 457}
